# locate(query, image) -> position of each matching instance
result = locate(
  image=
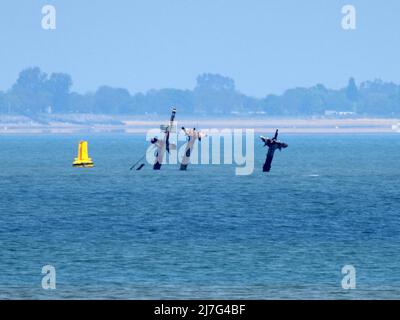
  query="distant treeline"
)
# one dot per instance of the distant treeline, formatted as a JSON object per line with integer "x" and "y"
{"x": 36, "y": 92}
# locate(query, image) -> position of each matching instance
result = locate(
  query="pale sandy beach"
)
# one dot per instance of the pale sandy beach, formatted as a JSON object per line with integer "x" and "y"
{"x": 75, "y": 124}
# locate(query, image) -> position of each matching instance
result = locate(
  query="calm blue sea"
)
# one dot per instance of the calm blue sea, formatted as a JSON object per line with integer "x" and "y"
{"x": 329, "y": 201}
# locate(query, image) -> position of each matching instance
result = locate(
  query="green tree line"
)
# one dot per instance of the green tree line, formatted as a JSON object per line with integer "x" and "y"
{"x": 36, "y": 92}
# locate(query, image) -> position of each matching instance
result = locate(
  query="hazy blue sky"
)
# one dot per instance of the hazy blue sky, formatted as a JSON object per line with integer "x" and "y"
{"x": 267, "y": 46}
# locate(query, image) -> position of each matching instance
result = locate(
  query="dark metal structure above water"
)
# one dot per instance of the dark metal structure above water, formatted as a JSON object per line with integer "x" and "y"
{"x": 272, "y": 145}
{"x": 164, "y": 144}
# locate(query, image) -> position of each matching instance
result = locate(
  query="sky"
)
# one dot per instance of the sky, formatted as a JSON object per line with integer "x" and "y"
{"x": 266, "y": 46}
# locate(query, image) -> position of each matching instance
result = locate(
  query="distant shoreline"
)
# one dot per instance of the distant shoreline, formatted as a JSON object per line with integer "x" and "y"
{"x": 92, "y": 124}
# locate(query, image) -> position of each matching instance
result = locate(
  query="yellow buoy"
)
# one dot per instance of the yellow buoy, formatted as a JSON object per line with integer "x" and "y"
{"x": 83, "y": 159}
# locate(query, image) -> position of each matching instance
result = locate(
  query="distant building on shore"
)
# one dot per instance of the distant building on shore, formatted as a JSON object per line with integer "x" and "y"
{"x": 334, "y": 113}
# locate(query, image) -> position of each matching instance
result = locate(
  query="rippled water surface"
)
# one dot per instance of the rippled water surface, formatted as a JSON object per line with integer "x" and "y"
{"x": 329, "y": 201}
